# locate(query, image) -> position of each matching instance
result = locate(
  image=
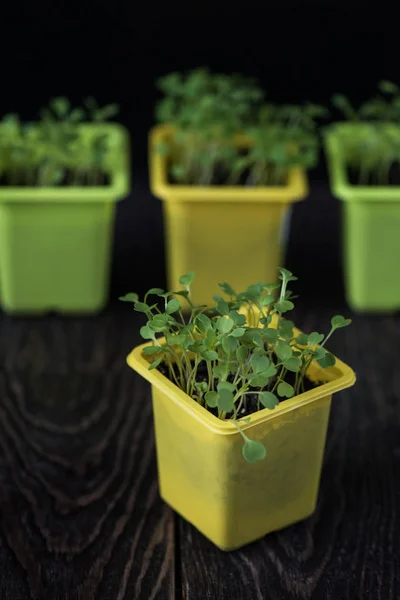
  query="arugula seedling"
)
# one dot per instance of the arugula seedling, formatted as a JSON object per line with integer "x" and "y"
{"x": 240, "y": 355}
{"x": 370, "y": 141}
{"x": 53, "y": 150}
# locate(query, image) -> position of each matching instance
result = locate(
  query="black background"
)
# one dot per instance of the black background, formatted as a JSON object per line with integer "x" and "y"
{"x": 116, "y": 50}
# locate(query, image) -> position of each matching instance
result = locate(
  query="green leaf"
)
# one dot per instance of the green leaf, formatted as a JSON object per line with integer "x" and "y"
{"x": 201, "y": 386}
{"x": 259, "y": 363}
{"x": 285, "y": 390}
{"x": 219, "y": 371}
{"x": 253, "y": 451}
{"x": 319, "y": 353}
{"x": 286, "y": 329}
{"x": 328, "y": 361}
{"x": 203, "y": 323}
{"x": 270, "y": 335}
{"x": 172, "y": 306}
{"x": 183, "y": 293}
{"x": 229, "y": 344}
{"x": 293, "y": 364}
{"x": 242, "y": 353}
{"x": 155, "y": 291}
{"x": 158, "y": 324}
{"x": 187, "y": 279}
{"x": 155, "y": 364}
{"x": 211, "y": 399}
{"x": 339, "y": 321}
{"x": 151, "y": 350}
{"x": 131, "y": 297}
{"x": 225, "y": 287}
{"x": 142, "y": 307}
{"x": 271, "y": 371}
{"x": 283, "y": 351}
{"x": 209, "y": 355}
{"x": 268, "y": 400}
{"x": 284, "y": 305}
{"x": 225, "y": 325}
{"x": 147, "y": 333}
{"x": 266, "y": 300}
{"x": 239, "y": 332}
{"x": 222, "y": 307}
{"x": 225, "y": 401}
{"x": 315, "y": 338}
{"x": 286, "y": 275}
{"x": 237, "y": 318}
{"x": 302, "y": 339}
{"x": 176, "y": 340}
{"x": 226, "y": 385}
{"x": 210, "y": 338}
{"x": 387, "y": 87}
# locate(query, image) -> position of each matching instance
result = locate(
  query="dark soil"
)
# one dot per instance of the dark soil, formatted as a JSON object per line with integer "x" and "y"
{"x": 104, "y": 177}
{"x": 250, "y": 403}
{"x": 353, "y": 177}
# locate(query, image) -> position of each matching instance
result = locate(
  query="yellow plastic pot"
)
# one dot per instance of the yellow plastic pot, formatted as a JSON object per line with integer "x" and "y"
{"x": 221, "y": 233}
{"x": 204, "y": 477}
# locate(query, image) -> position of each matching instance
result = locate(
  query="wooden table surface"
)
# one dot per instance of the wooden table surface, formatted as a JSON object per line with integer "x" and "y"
{"x": 80, "y": 515}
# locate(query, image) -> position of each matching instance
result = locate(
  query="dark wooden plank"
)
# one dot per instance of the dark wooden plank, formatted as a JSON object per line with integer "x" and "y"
{"x": 349, "y": 548}
{"x": 80, "y": 515}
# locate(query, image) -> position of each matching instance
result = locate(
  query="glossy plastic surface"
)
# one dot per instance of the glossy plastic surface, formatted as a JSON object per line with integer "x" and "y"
{"x": 371, "y": 237}
{"x": 204, "y": 476}
{"x": 55, "y": 243}
{"x": 222, "y": 233}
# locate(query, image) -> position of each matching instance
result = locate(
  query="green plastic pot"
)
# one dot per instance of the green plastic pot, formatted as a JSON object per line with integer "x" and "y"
{"x": 55, "y": 243}
{"x": 371, "y": 236}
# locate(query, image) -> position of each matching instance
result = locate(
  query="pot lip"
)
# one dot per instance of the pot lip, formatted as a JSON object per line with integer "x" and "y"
{"x": 336, "y": 378}
{"x": 294, "y": 191}
{"x": 117, "y": 189}
{"x": 340, "y": 184}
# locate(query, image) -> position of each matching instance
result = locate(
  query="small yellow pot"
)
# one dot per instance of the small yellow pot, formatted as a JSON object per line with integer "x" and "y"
{"x": 203, "y": 475}
{"x": 222, "y": 233}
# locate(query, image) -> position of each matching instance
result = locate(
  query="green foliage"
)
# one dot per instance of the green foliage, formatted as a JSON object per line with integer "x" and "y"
{"x": 241, "y": 356}
{"x": 370, "y": 140}
{"x": 282, "y": 138}
{"x": 53, "y": 151}
{"x": 208, "y": 110}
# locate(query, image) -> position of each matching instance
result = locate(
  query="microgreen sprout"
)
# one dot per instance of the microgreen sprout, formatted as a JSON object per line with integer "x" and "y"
{"x": 370, "y": 140}
{"x": 239, "y": 354}
{"x": 208, "y": 110}
{"x": 53, "y": 151}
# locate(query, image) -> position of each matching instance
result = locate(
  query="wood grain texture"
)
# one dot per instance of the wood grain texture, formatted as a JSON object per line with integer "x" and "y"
{"x": 80, "y": 515}
{"x": 348, "y": 550}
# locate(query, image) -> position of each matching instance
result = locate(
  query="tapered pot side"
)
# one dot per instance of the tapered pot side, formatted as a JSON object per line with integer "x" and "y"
{"x": 202, "y": 472}
{"x": 56, "y": 242}
{"x": 370, "y": 239}
{"x": 222, "y": 233}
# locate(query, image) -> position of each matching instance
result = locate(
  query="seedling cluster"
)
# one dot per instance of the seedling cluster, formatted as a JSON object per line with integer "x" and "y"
{"x": 245, "y": 341}
{"x": 54, "y": 150}
{"x": 208, "y": 111}
{"x": 370, "y": 139}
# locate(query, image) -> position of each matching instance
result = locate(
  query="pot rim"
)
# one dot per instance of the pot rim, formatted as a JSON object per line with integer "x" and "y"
{"x": 335, "y": 378}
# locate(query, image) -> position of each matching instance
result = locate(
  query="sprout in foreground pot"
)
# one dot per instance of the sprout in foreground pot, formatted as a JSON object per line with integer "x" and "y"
{"x": 230, "y": 365}
{"x": 54, "y": 151}
{"x": 208, "y": 110}
{"x": 370, "y": 140}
